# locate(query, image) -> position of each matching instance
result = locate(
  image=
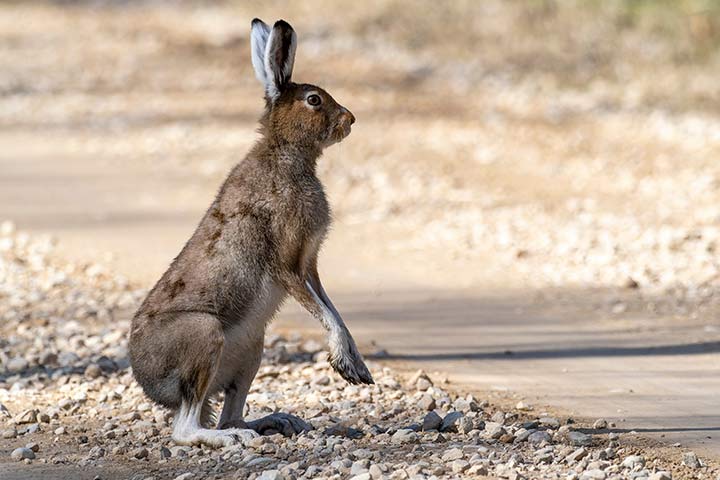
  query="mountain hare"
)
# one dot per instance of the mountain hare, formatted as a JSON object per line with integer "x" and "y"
{"x": 200, "y": 330}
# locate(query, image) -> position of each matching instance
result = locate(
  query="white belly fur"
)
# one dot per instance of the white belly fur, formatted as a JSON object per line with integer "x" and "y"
{"x": 243, "y": 345}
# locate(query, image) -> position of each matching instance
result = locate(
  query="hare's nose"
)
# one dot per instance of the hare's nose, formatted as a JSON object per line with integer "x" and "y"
{"x": 348, "y": 115}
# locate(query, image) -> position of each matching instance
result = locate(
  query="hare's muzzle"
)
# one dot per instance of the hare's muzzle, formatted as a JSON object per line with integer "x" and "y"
{"x": 347, "y": 116}
{"x": 345, "y": 120}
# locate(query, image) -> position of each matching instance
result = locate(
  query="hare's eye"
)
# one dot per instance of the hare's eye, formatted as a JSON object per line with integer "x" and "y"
{"x": 313, "y": 100}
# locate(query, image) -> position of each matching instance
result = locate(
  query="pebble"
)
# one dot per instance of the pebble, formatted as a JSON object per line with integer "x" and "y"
{"x": 579, "y": 439}
{"x": 691, "y": 460}
{"x": 26, "y": 416}
{"x": 93, "y": 371}
{"x": 432, "y": 421}
{"x": 595, "y": 474}
{"x": 362, "y": 476}
{"x": 600, "y": 424}
{"x": 271, "y": 475}
{"x": 404, "y": 435}
{"x": 140, "y": 453}
{"x": 452, "y": 454}
{"x": 661, "y": 475}
{"x": 459, "y": 466}
{"x": 539, "y": 437}
{"x": 633, "y": 460}
{"x": 577, "y": 455}
{"x": 449, "y": 423}
{"x": 426, "y": 402}
{"x": 20, "y": 454}
{"x": 550, "y": 422}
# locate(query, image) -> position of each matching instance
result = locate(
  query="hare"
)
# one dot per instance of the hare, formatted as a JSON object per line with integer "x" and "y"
{"x": 201, "y": 328}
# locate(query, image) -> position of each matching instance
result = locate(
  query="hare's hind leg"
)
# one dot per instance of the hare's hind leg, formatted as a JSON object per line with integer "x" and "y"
{"x": 245, "y": 367}
{"x": 199, "y": 341}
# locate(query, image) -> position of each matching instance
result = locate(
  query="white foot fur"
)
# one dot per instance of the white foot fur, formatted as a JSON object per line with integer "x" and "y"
{"x": 187, "y": 430}
{"x": 215, "y": 438}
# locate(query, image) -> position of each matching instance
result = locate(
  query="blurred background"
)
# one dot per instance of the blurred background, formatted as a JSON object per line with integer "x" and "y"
{"x": 529, "y": 198}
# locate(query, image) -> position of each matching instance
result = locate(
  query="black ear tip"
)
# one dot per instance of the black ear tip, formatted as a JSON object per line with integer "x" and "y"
{"x": 255, "y": 21}
{"x": 283, "y": 25}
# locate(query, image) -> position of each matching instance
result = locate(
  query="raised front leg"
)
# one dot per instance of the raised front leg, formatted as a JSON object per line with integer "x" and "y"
{"x": 344, "y": 355}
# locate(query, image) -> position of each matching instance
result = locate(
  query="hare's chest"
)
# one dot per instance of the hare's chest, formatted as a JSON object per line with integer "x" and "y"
{"x": 311, "y": 209}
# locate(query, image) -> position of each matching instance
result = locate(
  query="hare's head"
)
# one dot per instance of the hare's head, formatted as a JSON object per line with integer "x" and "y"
{"x": 297, "y": 113}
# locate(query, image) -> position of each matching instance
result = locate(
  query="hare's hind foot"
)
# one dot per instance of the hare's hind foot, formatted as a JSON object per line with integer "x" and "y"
{"x": 187, "y": 430}
{"x": 284, "y": 423}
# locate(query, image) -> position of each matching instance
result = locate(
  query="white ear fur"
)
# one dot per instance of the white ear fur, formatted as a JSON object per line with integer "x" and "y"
{"x": 279, "y": 58}
{"x": 259, "y": 33}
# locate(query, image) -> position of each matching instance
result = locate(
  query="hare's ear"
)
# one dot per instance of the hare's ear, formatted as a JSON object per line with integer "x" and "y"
{"x": 259, "y": 33}
{"x": 279, "y": 58}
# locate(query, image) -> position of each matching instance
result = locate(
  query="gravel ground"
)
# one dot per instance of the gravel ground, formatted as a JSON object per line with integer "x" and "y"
{"x": 69, "y": 401}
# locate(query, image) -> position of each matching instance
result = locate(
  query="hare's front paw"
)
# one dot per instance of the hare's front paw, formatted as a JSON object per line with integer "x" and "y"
{"x": 347, "y": 361}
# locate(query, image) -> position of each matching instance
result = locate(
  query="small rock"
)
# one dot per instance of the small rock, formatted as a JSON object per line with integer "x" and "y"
{"x": 185, "y": 476}
{"x": 20, "y": 454}
{"x": 577, "y": 455}
{"x": 16, "y": 364}
{"x": 67, "y": 359}
{"x": 140, "y": 453}
{"x": 164, "y": 452}
{"x": 33, "y": 446}
{"x": 420, "y": 380}
{"x": 691, "y": 460}
{"x": 521, "y": 435}
{"x": 320, "y": 380}
{"x": 375, "y": 472}
{"x": 423, "y": 384}
{"x": 271, "y": 475}
{"x": 579, "y": 439}
{"x": 633, "y": 460}
{"x": 459, "y": 466}
{"x": 340, "y": 430}
{"x": 26, "y": 416}
{"x": 465, "y": 406}
{"x": 465, "y": 425}
{"x": 9, "y": 433}
{"x": 452, "y": 454}
{"x": 432, "y": 421}
{"x": 404, "y": 435}
{"x": 93, "y": 371}
{"x": 426, "y": 402}
{"x": 498, "y": 417}
{"x": 600, "y": 424}
{"x": 539, "y": 437}
{"x": 449, "y": 423}
{"x": 595, "y": 474}
{"x": 524, "y": 407}
{"x": 660, "y": 476}
{"x": 361, "y": 476}
{"x": 550, "y": 422}
{"x": 494, "y": 430}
